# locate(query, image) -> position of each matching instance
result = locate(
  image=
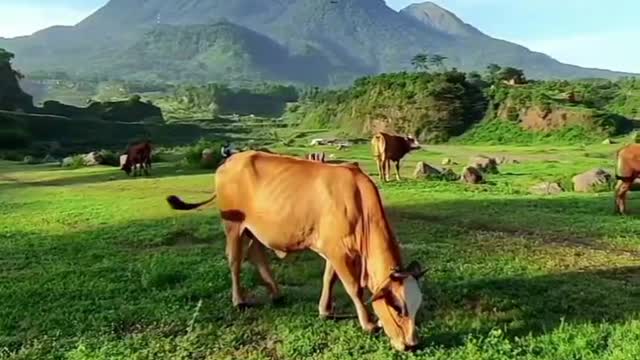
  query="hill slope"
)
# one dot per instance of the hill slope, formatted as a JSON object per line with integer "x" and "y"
{"x": 339, "y": 40}
{"x": 222, "y": 51}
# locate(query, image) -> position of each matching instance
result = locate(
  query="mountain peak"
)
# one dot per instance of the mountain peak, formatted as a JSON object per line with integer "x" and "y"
{"x": 439, "y": 18}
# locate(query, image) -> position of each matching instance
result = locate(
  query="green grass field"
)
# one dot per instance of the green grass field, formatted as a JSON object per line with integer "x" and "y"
{"x": 94, "y": 265}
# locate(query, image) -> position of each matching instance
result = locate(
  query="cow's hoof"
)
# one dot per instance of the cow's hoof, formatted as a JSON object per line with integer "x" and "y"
{"x": 370, "y": 328}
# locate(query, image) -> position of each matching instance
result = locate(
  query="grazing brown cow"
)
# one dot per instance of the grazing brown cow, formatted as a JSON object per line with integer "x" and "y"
{"x": 289, "y": 204}
{"x": 138, "y": 158}
{"x": 387, "y": 148}
{"x": 627, "y": 171}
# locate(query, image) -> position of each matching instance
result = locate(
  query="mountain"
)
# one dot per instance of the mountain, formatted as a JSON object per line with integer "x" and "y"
{"x": 223, "y": 51}
{"x": 301, "y": 41}
{"x": 440, "y": 19}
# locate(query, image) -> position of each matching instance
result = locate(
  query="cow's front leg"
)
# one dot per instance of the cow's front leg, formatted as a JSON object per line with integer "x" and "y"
{"x": 349, "y": 279}
{"x": 398, "y": 170}
{"x": 325, "y": 307}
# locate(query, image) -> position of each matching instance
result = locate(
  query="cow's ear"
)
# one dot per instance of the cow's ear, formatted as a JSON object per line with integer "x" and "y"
{"x": 414, "y": 269}
{"x": 380, "y": 291}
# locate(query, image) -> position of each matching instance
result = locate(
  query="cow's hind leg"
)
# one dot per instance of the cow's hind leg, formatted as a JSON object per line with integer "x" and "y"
{"x": 258, "y": 256}
{"x": 622, "y": 188}
{"x": 387, "y": 169}
{"x": 380, "y": 169}
{"x": 398, "y": 170}
{"x": 325, "y": 307}
{"x": 349, "y": 279}
{"x": 233, "y": 231}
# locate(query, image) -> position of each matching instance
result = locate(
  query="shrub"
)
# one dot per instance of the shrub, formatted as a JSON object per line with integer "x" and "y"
{"x": 77, "y": 161}
{"x": 109, "y": 158}
{"x": 14, "y": 139}
{"x": 193, "y": 154}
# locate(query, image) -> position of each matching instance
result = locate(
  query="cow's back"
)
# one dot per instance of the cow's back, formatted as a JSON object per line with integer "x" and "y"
{"x": 289, "y": 203}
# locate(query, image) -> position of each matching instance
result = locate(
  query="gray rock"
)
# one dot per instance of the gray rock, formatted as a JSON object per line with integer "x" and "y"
{"x": 485, "y": 164}
{"x": 448, "y": 161}
{"x": 471, "y": 175}
{"x": 591, "y": 181}
{"x": 425, "y": 171}
{"x": 93, "y": 158}
{"x": 68, "y": 161}
{"x": 546, "y": 188}
{"x": 123, "y": 159}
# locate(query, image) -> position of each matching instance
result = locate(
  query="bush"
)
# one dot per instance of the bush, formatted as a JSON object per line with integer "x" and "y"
{"x": 109, "y": 158}
{"x": 193, "y": 154}
{"x": 77, "y": 161}
{"x": 30, "y": 160}
{"x": 14, "y": 139}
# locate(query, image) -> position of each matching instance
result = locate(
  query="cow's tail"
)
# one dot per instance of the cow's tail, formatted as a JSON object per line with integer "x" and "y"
{"x": 177, "y": 204}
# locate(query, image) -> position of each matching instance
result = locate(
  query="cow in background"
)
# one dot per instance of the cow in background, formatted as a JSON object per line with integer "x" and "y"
{"x": 138, "y": 159}
{"x": 319, "y": 157}
{"x": 627, "y": 171}
{"x": 387, "y": 148}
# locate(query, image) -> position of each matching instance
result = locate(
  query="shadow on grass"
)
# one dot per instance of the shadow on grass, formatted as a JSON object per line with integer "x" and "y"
{"x": 102, "y": 277}
{"x": 536, "y": 305}
{"x": 161, "y": 170}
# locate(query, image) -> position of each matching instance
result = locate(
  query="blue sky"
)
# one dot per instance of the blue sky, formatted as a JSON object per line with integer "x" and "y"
{"x": 591, "y": 33}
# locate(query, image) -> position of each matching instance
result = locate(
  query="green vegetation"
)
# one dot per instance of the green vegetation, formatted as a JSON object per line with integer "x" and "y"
{"x": 438, "y": 106}
{"x": 213, "y": 100}
{"x": 132, "y": 110}
{"x": 432, "y": 106}
{"x": 47, "y": 134}
{"x": 194, "y": 155}
{"x": 96, "y": 265}
{"x": 11, "y": 95}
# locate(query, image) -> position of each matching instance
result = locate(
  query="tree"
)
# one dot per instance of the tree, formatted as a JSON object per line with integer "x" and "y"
{"x": 437, "y": 60}
{"x": 421, "y": 62}
{"x": 512, "y": 75}
{"x": 492, "y": 72}
{"x": 5, "y": 56}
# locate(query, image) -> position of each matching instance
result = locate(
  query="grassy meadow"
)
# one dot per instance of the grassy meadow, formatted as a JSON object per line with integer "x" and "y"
{"x": 95, "y": 265}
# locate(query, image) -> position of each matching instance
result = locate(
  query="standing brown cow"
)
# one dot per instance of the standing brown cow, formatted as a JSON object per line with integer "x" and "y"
{"x": 387, "y": 148}
{"x": 627, "y": 171}
{"x": 138, "y": 158}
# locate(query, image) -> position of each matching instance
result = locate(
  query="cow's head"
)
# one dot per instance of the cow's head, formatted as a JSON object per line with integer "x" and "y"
{"x": 396, "y": 302}
{"x": 412, "y": 142}
{"x": 126, "y": 167}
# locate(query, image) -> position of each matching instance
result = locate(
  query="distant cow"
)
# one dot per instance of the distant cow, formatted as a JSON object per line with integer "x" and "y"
{"x": 138, "y": 158}
{"x": 627, "y": 171}
{"x": 387, "y": 148}
{"x": 319, "y": 157}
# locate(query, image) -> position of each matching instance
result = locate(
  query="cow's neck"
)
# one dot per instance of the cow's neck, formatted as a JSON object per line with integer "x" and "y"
{"x": 383, "y": 254}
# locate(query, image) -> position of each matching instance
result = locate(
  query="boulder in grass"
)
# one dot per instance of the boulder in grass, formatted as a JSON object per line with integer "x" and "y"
{"x": 485, "y": 164}
{"x": 93, "y": 158}
{"x": 471, "y": 175}
{"x": 546, "y": 188}
{"x": 591, "y": 181}
{"x": 426, "y": 171}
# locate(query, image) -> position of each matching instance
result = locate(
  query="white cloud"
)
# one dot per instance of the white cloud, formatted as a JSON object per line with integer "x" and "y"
{"x": 20, "y": 20}
{"x": 610, "y": 50}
